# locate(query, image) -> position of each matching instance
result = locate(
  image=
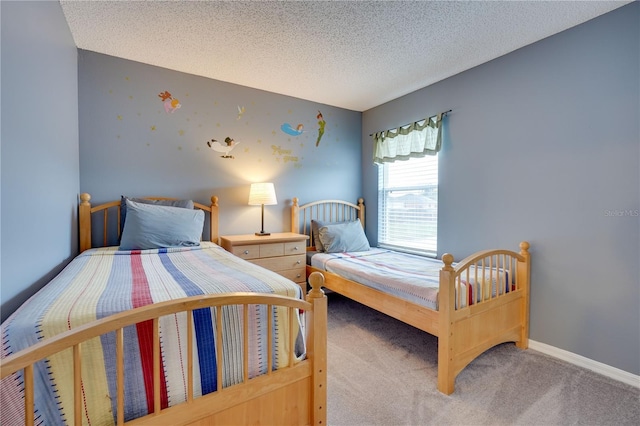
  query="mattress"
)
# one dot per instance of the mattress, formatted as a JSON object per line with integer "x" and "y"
{"x": 105, "y": 281}
{"x": 407, "y": 276}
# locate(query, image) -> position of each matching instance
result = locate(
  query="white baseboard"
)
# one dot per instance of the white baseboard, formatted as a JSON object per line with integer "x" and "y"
{"x": 589, "y": 364}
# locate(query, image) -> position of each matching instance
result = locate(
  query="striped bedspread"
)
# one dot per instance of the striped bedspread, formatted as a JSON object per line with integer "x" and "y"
{"x": 101, "y": 282}
{"x": 406, "y": 276}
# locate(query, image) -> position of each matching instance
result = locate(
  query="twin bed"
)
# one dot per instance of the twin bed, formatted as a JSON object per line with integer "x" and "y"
{"x": 181, "y": 335}
{"x": 194, "y": 335}
{"x": 471, "y": 306}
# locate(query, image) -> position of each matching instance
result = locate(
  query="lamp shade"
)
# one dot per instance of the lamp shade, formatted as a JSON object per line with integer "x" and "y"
{"x": 262, "y": 194}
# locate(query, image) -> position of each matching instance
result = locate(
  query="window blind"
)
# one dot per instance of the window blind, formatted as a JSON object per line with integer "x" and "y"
{"x": 408, "y": 205}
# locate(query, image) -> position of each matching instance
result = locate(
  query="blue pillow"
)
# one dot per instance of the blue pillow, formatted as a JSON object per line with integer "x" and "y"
{"x": 187, "y": 204}
{"x": 342, "y": 237}
{"x": 150, "y": 226}
{"x": 315, "y": 232}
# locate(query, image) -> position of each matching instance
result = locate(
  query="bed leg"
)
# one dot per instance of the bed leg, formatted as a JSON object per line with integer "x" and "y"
{"x": 524, "y": 278}
{"x": 446, "y": 385}
{"x": 317, "y": 349}
{"x": 446, "y": 377}
{"x": 446, "y": 305}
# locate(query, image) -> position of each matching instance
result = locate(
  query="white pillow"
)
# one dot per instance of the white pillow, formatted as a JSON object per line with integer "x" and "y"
{"x": 342, "y": 237}
{"x": 151, "y": 226}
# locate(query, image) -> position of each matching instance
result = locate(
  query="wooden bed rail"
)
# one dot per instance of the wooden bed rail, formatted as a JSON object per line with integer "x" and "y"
{"x": 85, "y": 212}
{"x": 315, "y": 308}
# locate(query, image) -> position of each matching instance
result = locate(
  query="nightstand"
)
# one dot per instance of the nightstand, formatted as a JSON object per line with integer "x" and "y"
{"x": 280, "y": 252}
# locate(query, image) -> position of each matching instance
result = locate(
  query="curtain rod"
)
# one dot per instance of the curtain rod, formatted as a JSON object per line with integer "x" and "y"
{"x": 443, "y": 114}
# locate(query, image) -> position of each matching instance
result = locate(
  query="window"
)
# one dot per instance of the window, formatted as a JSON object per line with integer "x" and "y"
{"x": 407, "y": 158}
{"x": 408, "y": 205}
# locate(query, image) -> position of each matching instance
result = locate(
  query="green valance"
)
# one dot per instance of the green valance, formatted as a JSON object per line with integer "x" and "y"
{"x": 423, "y": 137}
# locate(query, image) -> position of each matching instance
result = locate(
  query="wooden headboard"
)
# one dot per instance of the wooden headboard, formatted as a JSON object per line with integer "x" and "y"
{"x": 324, "y": 211}
{"x": 86, "y": 211}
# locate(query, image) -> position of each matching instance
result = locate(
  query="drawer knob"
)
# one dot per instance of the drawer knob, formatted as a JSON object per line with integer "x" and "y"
{"x": 296, "y": 248}
{"x": 298, "y": 276}
{"x": 246, "y": 252}
{"x": 298, "y": 262}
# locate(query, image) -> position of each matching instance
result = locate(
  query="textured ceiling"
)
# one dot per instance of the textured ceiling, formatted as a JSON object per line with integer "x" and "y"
{"x": 350, "y": 54}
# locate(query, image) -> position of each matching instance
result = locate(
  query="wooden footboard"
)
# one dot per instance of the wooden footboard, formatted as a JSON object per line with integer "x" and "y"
{"x": 294, "y": 395}
{"x": 499, "y": 313}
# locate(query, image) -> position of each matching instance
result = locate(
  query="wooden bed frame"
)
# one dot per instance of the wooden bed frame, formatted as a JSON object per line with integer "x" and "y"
{"x": 294, "y": 395}
{"x": 463, "y": 333}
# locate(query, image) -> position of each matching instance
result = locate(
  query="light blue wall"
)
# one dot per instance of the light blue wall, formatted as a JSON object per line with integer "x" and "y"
{"x": 39, "y": 148}
{"x": 543, "y": 145}
{"x": 131, "y": 145}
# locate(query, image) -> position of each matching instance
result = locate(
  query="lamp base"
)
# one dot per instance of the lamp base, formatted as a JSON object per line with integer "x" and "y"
{"x": 262, "y": 234}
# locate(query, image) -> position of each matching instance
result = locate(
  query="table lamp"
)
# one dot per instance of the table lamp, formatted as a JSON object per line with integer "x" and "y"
{"x": 259, "y": 195}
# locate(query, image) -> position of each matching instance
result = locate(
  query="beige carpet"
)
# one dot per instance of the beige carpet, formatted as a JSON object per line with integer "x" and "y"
{"x": 383, "y": 372}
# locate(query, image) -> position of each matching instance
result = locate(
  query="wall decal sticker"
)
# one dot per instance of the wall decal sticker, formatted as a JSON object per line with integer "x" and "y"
{"x": 240, "y": 112}
{"x": 278, "y": 150}
{"x": 321, "y": 124}
{"x": 170, "y": 103}
{"x": 288, "y": 129}
{"x": 224, "y": 148}
{"x": 284, "y": 154}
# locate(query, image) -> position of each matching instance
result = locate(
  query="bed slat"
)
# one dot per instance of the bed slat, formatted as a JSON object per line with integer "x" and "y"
{"x": 156, "y": 366}
{"x": 190, "y": 326}
{"x": 28, "y": 395}
{"x": 292, "y": 338}
{"x": 120, "y": 376}
{"x": 219, "y": 347}
{"x": 245, "y": 343}
{"x": 77, "y": 385}
{"x": 270, "y": 309}
{"x": 104, "y": 227}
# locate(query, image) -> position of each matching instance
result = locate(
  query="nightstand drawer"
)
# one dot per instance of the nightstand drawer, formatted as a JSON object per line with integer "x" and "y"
{"x": 271, "y": 250}
{"x": 296, "y": 275}
{"x": 296, "y": 247}
{"x": 282, "y": 263}
{"x": 247, "y": 252}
